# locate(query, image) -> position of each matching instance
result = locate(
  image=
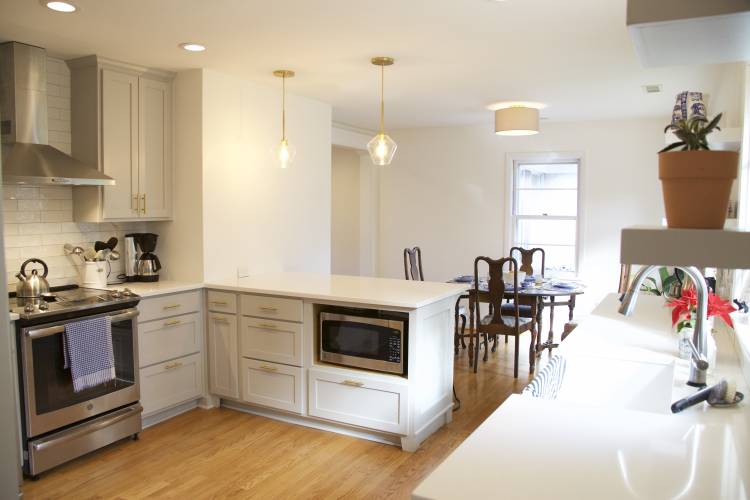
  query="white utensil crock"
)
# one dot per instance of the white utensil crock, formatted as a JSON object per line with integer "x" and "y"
{"x": 94, "y": 274}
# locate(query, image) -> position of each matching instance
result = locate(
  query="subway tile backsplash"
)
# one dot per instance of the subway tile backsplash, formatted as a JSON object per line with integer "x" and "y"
{"x": 39, "y": 220}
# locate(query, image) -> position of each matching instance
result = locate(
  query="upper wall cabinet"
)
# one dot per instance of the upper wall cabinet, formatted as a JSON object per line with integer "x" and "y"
{"x": 121, "y": 121}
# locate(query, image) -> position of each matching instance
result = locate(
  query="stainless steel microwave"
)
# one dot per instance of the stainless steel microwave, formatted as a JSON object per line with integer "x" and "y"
{"x": 372, "y": 340}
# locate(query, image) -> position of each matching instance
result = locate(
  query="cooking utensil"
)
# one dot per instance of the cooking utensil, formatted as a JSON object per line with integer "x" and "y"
{"x": 99, "y": 246}
{"x": 89, "y": 254}
{"x": 112, "y": 243}
{"x": 113, "y": 255}
{"x": 32, "y": 286}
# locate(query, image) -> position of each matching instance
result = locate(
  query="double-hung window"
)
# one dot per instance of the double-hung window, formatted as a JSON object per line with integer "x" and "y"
{"x": 545, "y": 210}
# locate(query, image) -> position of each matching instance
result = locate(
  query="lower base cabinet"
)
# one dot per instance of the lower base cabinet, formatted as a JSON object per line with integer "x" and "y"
{"x": 271, "y": 384}
{"x": 170, "y": 383}
{"x": 358, "y": 401}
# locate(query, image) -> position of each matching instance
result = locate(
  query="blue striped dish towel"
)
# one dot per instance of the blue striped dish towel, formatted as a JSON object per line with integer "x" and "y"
{"x": 87, "y": 349}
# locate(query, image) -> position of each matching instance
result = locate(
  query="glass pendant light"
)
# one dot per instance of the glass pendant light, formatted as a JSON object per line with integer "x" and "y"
{"x": 381, "y": 147}
{"x": 285, "y": 151}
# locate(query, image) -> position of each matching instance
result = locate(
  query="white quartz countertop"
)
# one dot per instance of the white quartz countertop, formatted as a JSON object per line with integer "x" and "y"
{"x": 352, "y": 289}
{"x": 157, "y": 287}
{"x": 542, "y": 449}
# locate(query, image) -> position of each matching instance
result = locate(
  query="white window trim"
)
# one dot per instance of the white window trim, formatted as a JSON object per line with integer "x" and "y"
{"x": 546, "y": 157}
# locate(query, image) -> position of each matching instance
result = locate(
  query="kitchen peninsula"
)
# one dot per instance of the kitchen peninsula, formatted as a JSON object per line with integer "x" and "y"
{"x": 264, "y": 352}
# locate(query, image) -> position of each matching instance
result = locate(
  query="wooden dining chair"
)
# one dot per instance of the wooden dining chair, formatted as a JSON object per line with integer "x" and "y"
{"x": 413, "y": 271}
{"x": 527, "y": 259}
{"x": 496, "y": 322}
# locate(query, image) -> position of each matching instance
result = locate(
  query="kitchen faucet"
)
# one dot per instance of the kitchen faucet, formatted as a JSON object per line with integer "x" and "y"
{"x": 698, "y": 345}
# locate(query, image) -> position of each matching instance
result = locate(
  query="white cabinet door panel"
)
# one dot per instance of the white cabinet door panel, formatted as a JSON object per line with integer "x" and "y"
{"x": 273, "y": 385}
{"x": 269, "y": 340}
{"x": 119, "y": 143}
{"x": 169, "y": 338}
{"x": 155, "y": 165}
{"x": 223, "y": 355}
{"x": 171, "y": 383}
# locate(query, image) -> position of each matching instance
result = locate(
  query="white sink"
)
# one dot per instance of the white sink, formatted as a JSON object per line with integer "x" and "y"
{"x": 617, "y": 383}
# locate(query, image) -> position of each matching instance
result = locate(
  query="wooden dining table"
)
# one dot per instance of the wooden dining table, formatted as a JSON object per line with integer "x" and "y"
{"x": 538, "y": 297}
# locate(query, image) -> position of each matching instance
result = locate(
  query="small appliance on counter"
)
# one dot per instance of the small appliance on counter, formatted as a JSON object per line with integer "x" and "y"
{"x": 141, "y": 264}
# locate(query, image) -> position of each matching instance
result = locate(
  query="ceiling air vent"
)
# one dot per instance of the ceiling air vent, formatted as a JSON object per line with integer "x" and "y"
{"x": 652, "y": 89}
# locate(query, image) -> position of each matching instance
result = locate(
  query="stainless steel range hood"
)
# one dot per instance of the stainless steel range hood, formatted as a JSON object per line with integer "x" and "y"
{"x": 26, "y": 156}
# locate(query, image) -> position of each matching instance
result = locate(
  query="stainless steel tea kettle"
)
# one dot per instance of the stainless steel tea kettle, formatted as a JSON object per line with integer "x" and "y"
{"x": 32, "y": 287}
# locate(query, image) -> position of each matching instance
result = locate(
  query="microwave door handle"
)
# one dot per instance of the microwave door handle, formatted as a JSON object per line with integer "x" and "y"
{"x": 54, "y": 330}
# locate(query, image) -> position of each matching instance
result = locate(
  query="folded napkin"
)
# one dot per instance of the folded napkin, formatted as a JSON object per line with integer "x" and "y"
{"x": 87, "y": 351}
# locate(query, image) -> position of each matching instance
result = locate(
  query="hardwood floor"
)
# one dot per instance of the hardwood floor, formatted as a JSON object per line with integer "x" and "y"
{"x": 223, "y": 453}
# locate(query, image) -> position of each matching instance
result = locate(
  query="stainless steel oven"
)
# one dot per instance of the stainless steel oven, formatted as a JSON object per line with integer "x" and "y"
{"x": 372, "y": 340}
{"x": 58, "y": 423}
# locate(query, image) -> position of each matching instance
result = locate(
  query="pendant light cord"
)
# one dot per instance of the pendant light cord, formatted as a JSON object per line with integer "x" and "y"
{"x": 283, "y": 108}
{"x": 382, "y": 99}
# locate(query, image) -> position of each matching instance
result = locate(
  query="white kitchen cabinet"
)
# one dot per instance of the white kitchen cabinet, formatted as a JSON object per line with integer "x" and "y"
{"x": 271, "y": 307}
{"x": 170, "y": 383}
{"x": 271, "y": 384}
{"x": 169, "y": 338}
{"x": 270, "y": 340}
{"x": 169, "y": 305}
{"x": 121, "y": 121}
{"x": 223, "y": 355}
{"x": 356, "y": 400}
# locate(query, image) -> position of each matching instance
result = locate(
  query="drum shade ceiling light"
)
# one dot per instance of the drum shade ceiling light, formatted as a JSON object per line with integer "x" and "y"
{"x": 516, "y": 118}
{"x": 284, "y": 152}
{"x": 381, "y": 147}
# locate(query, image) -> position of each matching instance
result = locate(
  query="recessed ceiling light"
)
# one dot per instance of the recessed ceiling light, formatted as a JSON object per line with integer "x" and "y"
{"x": 60, "y": 6}
{"x": 193, "y": 47}
{"x": 515, "y": 104}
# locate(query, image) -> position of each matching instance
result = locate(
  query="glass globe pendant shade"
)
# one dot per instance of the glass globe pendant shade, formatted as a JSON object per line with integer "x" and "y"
{"x": 285, "y": 153}
{"x": 381, "y": 149}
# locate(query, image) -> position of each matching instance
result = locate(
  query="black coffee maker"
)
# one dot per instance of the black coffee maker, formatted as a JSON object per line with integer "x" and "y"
{"x": 147, "y": 267}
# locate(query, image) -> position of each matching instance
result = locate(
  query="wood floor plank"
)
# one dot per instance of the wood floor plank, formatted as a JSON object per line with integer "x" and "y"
{"x": 223, "y": 453}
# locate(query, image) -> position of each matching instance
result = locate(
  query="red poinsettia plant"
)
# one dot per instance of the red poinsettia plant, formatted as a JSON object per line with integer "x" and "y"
{"x": 683, "y": 309}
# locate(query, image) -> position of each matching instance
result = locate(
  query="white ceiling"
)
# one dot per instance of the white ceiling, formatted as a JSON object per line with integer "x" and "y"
{"x": 453, "y": 57}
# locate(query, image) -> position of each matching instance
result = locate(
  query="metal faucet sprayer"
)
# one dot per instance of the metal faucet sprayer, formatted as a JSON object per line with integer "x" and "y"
{"x": 698, "y": 345}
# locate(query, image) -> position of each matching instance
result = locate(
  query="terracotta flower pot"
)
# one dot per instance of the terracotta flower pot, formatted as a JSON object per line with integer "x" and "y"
{"x": 696, "y": 187}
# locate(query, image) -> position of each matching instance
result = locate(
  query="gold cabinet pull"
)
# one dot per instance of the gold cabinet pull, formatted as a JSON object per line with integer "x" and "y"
{"x": 221, "y": 320}
{"x": 268, "y": 326}
{"x": 173, "y": 322}
{"x": 171, "y": 366}
{"x": 353, "y": 383}
{"x": 143, "y": 198}
{"x": 268, "y": 309}
{"x": 267, "y": 368}
{"x": 219, "y": 302}
{"x": 171, "y": 306}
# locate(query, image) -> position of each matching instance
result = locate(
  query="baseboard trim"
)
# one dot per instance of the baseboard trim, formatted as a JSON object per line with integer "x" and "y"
{"x": 166, "y": 414}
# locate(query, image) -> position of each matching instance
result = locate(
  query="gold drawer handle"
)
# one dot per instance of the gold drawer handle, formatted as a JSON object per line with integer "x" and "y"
{"x": 173, "y": 306}
{"x": 221, "y": 320}
{"x": 267, "y": 368}
{"x": 171, "y": 366}
{"x": 143, "y": 197}
{"x": 268, "y": 326}
{"x": 220, "y": 302}
{"x": 172, "y": 323}
{"x": 268, "y": 309}
{"x": 353, "y": 383}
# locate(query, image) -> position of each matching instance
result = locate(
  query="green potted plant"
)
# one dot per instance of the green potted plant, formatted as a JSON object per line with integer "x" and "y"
{"x": 696, "y": 182}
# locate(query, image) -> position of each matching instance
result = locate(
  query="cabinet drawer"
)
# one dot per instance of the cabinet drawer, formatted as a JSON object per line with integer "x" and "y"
{"x": 222, "y": 302}
{"x": 271, "y": 307}
{"x": 271, "y": 384}
{"x": 171, "y": 383}
{"x": 358, "y": 401}
{"x": 270, "y": 340}
{"x": 164, "y": 339}
{"x": 169, "y": 305}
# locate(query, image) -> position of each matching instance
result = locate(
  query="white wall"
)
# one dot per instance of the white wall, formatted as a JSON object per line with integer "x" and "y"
{"x": 181, "y": 240}
{"x": 345, "y": 212}
{"x": 255, "y": 214}
{"x": 445, "y": 191}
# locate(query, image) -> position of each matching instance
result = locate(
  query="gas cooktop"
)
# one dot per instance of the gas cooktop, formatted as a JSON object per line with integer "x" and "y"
{"x": 67, "y": 299}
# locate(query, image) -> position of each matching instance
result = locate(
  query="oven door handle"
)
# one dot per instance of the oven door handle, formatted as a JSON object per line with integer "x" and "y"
{"x": 89, "y": 428}
{"x": 54, "y": 330}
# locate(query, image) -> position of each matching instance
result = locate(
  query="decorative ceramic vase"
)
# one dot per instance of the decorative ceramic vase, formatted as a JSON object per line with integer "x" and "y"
{"x": 696, "y": 187}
